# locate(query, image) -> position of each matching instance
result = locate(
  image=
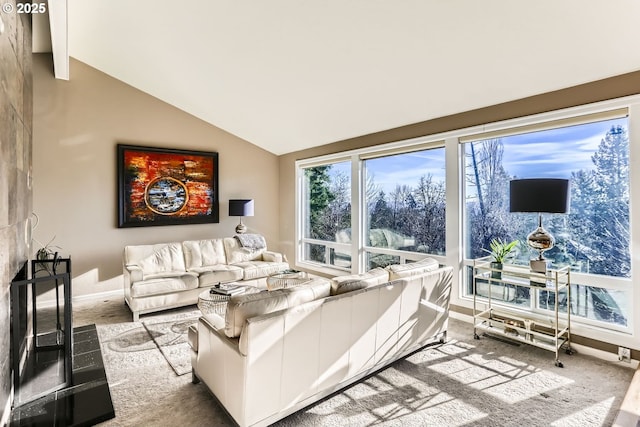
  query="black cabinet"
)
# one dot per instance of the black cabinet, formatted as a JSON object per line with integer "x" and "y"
{"x": 42, "y": 330}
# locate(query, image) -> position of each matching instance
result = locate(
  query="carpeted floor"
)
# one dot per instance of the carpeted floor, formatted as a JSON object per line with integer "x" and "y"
{"x": 464, "y": 382}
{"x": 170, "y": 336}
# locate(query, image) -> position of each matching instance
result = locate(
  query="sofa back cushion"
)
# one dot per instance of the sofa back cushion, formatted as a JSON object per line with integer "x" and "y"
{"x": 400, "y": 271}
{"x": 242, "y": 307}
{"x": 203, "y": 253}
{"x": 156, "y": 259}
{"x": 236, "y": 253}
{"x": 353, "y": 282}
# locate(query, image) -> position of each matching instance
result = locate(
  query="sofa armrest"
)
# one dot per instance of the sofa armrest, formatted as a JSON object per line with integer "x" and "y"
{"x": 271, "y": 256}
{"x": 214, "y": 324}
{"x": 133, "y": 273}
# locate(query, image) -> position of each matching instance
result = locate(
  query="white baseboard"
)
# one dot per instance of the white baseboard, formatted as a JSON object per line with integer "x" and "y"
{"x": 105, "y": 294}
{"x": 87, "y": 297}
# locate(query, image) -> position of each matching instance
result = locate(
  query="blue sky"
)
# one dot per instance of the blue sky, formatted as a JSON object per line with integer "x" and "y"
{"x": 525, "y": 156}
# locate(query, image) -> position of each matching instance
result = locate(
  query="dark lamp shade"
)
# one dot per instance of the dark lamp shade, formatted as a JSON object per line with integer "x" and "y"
{"x": 548, "y": 195}
{"x": 241, "y": 207}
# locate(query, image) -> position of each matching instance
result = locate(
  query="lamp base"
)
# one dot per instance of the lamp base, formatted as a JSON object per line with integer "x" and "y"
{"x": 241, "y": 229}
{"x": 539, "y": 265}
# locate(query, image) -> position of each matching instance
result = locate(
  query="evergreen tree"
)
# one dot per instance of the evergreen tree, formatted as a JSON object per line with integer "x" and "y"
{"x": 320, "y": 196}
{"x": 611, "y": 213}
{"x": 381, "y": 214}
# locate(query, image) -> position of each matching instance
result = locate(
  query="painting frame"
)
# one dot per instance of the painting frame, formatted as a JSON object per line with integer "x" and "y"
{"x": 166, "y": 186}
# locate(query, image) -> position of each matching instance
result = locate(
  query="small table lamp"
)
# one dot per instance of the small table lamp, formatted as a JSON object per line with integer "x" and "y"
{"x": 541, "y": 195}
{"x": 241, "y": 207}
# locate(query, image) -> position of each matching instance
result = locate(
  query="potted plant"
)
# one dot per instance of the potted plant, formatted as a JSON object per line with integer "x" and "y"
{"x": 500, "y": 252}
{"x": 45, "y": 253}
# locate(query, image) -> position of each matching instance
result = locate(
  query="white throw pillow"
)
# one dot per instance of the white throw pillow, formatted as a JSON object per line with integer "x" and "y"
{"x": 204, "y": 253}
{"x": 169, "y": 258}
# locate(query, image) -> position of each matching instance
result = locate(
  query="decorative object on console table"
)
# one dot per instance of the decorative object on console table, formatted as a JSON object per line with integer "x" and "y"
{"x": 159, "y": 186}
{"x": 500, "y": 252}
{"x": 540, "y": 195}
{"x": 241, "y": 207}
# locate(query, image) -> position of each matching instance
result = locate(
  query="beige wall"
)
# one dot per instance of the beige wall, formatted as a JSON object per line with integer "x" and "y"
{"x": 77, "y": 125}
{"x": 615, "y": 87}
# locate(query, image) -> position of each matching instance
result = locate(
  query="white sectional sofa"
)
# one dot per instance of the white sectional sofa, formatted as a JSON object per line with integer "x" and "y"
{"x": 169, "y": 275}
{"x": 277, "y": 352}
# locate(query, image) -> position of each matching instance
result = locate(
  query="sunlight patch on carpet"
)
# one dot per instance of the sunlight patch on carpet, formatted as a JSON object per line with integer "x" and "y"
{"x": 510, "y": 382}
{"x": 593, "y": 415}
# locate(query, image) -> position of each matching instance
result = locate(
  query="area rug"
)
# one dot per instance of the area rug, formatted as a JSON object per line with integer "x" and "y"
{"x": 171, "y": 338}
{"x": 464, "y": 383}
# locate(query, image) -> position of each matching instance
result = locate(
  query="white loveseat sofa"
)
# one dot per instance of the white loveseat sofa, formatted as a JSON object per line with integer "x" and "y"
{"x": 277, "y": 352}
{"x": 169, "y": 275}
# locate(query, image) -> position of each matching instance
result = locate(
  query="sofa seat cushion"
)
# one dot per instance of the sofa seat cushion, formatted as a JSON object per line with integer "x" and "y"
{"x": 400, "y": 271}
{"x": 353, "y": 282}
{"x": 164, "y": 285}
{"x": 244, "y": 306}
{"x": 257, "y": 269}
{"x": 210, "y": 276}
{"x": 203, "y": 253}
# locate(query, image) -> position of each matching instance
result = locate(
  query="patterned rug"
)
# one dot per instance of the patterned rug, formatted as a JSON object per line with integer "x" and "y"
{"x": 463, "y": 383}
{"x": 171, "y": 338}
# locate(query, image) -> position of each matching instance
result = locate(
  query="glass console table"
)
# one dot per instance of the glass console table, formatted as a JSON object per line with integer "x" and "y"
{"x": 551, "y": 333}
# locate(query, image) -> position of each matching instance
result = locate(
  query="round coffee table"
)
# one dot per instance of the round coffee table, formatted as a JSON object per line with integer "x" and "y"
{"x": 286, "y": 279}
{"x": 211, "y": 302}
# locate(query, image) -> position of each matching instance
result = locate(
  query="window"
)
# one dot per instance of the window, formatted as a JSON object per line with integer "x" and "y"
{"x": 401, "y": 218}
{"x": 447, "y": 196}
{"x": 327, "y": 214}
{"x": 594, "y": 156}
{"x": 405, "y": 205}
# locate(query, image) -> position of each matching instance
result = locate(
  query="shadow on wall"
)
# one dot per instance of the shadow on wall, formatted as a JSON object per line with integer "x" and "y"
{"x": 90, "y": 283}
{"x": 87, "y": 284}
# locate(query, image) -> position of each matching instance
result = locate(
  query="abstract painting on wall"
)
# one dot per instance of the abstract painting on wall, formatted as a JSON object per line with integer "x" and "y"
{"x": 160, "y": 186}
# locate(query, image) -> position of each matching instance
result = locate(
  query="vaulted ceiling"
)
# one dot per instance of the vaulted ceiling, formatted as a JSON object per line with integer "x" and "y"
{"x": 292, "y": 74}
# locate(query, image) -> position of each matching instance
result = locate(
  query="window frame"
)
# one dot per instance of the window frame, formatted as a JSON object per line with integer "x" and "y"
{"x": 454, "y": 172}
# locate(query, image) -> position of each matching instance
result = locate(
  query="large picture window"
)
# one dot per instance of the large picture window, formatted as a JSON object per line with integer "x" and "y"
{"x": 401, "y": 218}
{"x": 446, "y": 196}
{"x": 595, "y": 158}
{"x": 405, "y": 205}
{"x": 327, "y": 214}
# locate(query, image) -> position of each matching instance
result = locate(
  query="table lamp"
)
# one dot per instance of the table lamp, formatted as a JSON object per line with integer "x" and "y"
{"x": 241, "y": 207}
{"x": 540, "y": 195}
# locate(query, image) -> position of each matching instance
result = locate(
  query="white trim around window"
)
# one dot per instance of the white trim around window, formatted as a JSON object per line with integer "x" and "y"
{"x": 454, "y": 166}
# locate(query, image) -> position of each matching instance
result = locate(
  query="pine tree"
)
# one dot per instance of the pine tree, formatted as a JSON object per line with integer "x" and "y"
{"x": 320, "y": 196}
{"x": 381, "y": 214}
{"x": 611, "y": 206}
